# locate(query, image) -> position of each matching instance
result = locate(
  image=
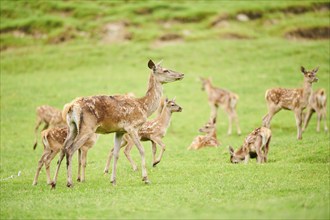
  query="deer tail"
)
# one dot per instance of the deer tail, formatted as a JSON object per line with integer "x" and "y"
{"x": 321, "y": 98}
{"x": 45, "y": 140}
{"x": 233, "y": 100}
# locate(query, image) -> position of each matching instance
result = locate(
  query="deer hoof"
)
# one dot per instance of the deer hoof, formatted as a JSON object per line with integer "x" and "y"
{"x": 113, "y": 182}
{"x": 155, "y": 163}
{"x": 34, "y": 183}
{"x": 69, "y": 185}
{"x": 106, "y": 172}
{"x": 53, "y": 184}
{"x": 135, "y": 169}
{"x": 146, "y": 181}
{"x": 78, "y": 179}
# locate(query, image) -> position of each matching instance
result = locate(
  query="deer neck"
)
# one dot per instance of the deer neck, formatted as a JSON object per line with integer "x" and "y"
{"x": 151, "y": 100}
{"x": 208, "y": 88}
{"x": 307, "y": 91}
{"x": 213, "y": 134}
{"x": 165, "y": 117}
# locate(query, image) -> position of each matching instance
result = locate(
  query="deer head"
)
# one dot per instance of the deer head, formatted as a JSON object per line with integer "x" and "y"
{"x": 236, "y": 157}
{"x": 164, "y": 75}
{"x": 208, "y": 127}
{"x": 170, "y": 104}
{"x": 310, "y": 76}
{"x": 204, "y": 81}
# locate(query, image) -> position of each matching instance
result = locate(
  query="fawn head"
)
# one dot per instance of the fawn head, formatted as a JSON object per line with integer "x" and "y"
{"x": 170, "y": 104}
{"x": 164, "y": 75}
{"x": 310, "y": 76}
{"x": 204, "y": 81}
{"x": 208, "y": 127}
{"x": 236, "y": 157}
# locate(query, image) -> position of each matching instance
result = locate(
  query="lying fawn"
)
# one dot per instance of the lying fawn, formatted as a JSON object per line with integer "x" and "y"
{"x": 225, "y": 99}
{"x": 256, "y": 145}
{"x": 295, "y": 100}
{"x": 118, "y": 114}
{"x": 53, "y": 140}
{"x": 318, "y": 104}
{"x": 208, "y": 140}
{"x": 50, "y": 116}
{"x": 153, "y": 131}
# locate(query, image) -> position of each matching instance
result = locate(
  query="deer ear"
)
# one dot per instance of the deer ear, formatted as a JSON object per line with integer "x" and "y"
{"x": 231, "y": 150}
{"x": 302, "y": 69}
{"x": 166, "y": 100}
{"x": 151, "y": 64}
{"x": 315, "y": 70}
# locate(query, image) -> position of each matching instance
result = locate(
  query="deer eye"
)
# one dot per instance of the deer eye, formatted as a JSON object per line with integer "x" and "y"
{"x": 166, "y": 71}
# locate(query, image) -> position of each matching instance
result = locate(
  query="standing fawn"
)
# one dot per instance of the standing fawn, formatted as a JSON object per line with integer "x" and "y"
{"x": 295, "y": 100}
{"x": 53, "y": 140}
{"x": 208, "y": 140}
{"x": 117, "y": 114}
{"x": 153, "y": 131}
{"x": 225, "y": 99}
{"x": 50, "y": 116}
{"x": 256, "y": 145}
{"x": 318, "y": 104}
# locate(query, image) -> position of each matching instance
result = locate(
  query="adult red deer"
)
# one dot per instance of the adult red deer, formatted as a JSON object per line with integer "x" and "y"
{"x": 117, "y": 114}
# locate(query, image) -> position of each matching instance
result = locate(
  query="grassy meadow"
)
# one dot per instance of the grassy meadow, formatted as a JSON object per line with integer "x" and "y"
{"x": 55, "y": 51}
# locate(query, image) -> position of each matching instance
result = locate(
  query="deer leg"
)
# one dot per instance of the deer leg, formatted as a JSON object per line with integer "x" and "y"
{"x": 62, "y": 154}
{"x": 308, "y": 116}
{"x": 36, "y": 132}
{"x": 40, "y": 164}
{"x": 134, "y": 136}
{"x": 214, "y": 111}
{"x": 80, "y": 140}
{"x": 118, "y": 138}
{"x": 324, "y": 113}
{"x": 230, "y": 122}
{"x": 319, "y": 118}
{"x": 298, "y": 116}
{"x": 127, "y": 153}
{"x": 48, "y": 160}
{"x": 154, "y": 151}
{"x": 162, "y": 145}
{"x": 258, "y": 146}
{"x": 83, "y": 163}
{"x": 272, "y": 110}
{"x": 106, "y": 169}
{"x": 246, "y": 158}
{"x": 79, "y": 165}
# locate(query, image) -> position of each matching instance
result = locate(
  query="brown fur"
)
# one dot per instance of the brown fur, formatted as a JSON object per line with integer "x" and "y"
{"x": 153, "y": 131}
{"x": 318, "y": 104}
{"x": 48, "y": 115}
{"x": 53, "y": 140}
{"x": 256, "y": 144}
{"x": 208, "y": 140}
{"x": 225, "y": 99}
{"x": 120, "y": 114}
{"x": 295, "y": 100}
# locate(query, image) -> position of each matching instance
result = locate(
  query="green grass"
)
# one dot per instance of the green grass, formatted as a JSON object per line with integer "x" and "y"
{"x": 294, "y": 184}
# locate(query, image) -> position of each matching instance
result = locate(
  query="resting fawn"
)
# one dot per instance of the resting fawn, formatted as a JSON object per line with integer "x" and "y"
{"x": 208, "y": 140}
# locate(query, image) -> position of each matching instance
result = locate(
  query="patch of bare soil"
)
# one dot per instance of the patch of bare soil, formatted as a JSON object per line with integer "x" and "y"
{"x": 314, "y": 33}
{"x": 168, "y": 39}
{"x": 64, "y": 36}
{"x": 235, "y": 36}
{"x": 116, "y": 32}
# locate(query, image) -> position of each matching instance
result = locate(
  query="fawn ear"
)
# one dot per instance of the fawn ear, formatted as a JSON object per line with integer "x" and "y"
{"x": 231, "y": 150}
{"x": 315, "y": 70}
{"x": 302, "y": 69}
{"x": 166, "y": 100}
{"x": 151, "y": 64}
